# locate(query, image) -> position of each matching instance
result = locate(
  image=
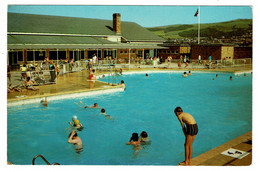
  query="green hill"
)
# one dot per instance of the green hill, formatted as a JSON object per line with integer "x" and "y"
{"x": 213, "y": 30}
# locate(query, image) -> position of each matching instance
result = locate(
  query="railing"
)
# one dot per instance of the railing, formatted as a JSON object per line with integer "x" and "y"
{"x": 138, "y": 63}
{"x": 33, "y": 161}
{"x": 112, "y": 72}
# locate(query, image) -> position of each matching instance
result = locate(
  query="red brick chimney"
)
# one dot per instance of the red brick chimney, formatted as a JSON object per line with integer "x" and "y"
{"x": 116, "y": 23}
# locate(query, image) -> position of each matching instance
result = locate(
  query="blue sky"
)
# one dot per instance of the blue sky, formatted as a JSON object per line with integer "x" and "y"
{"x": 144, "y": 15}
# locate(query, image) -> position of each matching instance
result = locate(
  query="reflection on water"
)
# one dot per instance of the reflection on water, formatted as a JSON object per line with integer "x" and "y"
{"x": 78, "y": 148}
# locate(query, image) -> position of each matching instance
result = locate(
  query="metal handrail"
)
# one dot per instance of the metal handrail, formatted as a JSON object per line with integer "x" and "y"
{"x": 33, "y": 161}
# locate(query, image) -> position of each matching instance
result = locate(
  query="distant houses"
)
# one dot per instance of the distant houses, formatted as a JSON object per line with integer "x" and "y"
{"x": 34, "y": 37}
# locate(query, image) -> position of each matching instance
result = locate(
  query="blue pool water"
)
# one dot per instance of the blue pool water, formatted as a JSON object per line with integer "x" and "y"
{"x": 221, "y": 108}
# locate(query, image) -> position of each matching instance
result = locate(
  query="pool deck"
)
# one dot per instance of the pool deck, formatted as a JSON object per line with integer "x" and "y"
{"x": 77, "y": 82}
{"x": 215, "y": 157}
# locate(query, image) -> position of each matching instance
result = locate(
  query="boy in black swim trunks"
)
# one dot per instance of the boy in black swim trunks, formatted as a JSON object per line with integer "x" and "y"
{"x": 190, "y": 132}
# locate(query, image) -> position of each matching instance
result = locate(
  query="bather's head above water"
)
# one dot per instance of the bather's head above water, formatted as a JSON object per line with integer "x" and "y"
{"x": 74, "y": 118}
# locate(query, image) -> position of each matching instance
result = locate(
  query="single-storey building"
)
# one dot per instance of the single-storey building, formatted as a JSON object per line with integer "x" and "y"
{"x": 216, "y": 51}
{"x": 175, "y": 51}
{"x": 33, "y": 37}
{"x": 242, "y": 52}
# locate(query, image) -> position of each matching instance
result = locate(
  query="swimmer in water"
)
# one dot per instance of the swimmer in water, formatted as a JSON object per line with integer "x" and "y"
{"x": 94, "y": 106}
{"x": 123, "y": 84}
{"x": 134, "y": 140}
{"x": 189, "y": 73}
{"x": 74, "y": 139}
{"x": 44, "y": 102}
{"x": 103, "y": 112}
{"x": 216, "y": 75}
{"x": 86, "y": 106}
{"x": 146, "y": 75}
{"x": 76, "y": 123}
{"x": 184, "y": 74}
{"x": 230, "y": 78}
{"x": 144, "y": 137}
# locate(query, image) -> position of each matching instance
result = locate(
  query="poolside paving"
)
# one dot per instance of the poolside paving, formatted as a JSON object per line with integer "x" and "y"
{"x": 77, "y": 82}
{"x": 66, "y": 84}
{"x": 215, "y": 157}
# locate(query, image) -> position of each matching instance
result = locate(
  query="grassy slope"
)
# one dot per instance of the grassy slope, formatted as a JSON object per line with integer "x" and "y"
{"x": 173, "y": 31}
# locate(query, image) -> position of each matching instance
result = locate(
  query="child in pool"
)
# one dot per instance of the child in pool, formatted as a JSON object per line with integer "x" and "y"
{"x": 144, "y": 137}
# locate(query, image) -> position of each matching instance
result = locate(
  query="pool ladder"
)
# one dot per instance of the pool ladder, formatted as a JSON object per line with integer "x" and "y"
{"x": 33, "y": 161}
{"x": 114, "y": 74}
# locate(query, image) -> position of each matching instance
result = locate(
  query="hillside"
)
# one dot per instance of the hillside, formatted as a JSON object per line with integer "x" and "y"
{"x": 213, "y": 30}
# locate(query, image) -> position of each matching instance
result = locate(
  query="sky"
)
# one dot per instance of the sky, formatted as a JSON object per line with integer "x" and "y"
{"x": 144, "y": 15}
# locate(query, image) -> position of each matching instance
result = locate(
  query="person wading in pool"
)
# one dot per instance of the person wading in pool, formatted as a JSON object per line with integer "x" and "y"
{"x": 190, "y": 132}
{"x": 76, "y": 123}
{"x": 45, "y": 102}
{"x": 134, "y": 141}
{"x": 74, "y": 139}
{"x": 184, "y": 74}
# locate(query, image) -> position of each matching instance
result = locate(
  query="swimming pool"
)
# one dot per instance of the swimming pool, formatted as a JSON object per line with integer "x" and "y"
{"x": 222, "y": 109}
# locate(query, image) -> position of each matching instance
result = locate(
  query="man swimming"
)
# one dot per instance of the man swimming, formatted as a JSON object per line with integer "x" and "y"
{"x": 190, "y": 132}
{"x": 86, "y": 106}
{"x": 94, "y": 106}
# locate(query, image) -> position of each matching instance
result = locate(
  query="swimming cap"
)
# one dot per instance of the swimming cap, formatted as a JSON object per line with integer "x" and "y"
{"x": 74, "y": 117}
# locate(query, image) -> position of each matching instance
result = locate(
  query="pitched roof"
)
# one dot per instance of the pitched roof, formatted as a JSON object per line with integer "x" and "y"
{"x": 30, "y": 23}
{"x": 37, "y": 39}
{"x": 67, "y": 42}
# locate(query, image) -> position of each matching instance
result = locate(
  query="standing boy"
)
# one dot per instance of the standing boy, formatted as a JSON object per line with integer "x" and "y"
{"x": 190, "y": 132}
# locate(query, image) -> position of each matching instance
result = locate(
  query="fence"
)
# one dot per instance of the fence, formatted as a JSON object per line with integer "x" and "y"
{"x": 147, "y": 63}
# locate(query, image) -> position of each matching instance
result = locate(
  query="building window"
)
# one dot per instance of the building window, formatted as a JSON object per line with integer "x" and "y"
{"x": 35, "y": 55}
{"x": 82, "y": 54}
{"x": 62, "y": 54}
{"x": 20, "y": 56}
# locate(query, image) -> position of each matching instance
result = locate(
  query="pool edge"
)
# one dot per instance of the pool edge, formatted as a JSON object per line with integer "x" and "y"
{"x": 210, "y": 157}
